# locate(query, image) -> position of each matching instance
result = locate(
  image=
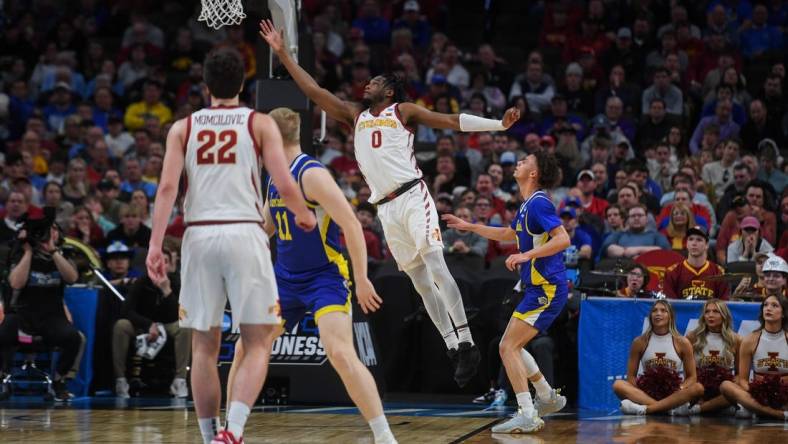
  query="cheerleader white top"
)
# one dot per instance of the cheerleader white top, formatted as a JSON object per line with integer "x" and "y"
{"x": 714, "y": 353}
{"x": 771, "y": 354}
{"x": 661, "y": 352}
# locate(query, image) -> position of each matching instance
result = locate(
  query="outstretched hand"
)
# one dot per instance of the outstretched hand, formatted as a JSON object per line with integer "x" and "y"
{"x": 510, "y": 116}
{"x": 270, "y": 34}
{"x": 455, "y": 222}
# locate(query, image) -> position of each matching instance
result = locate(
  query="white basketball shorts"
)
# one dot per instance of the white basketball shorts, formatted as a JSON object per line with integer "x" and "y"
{"x": 227, "y": 261}
{"x": 411, "y": 226}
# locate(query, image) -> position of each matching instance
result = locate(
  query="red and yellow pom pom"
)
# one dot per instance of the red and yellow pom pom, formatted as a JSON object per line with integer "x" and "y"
{"x": 659, "y": 382}
{"x": 770, "y": 391}
{"x": 711, "y": 377}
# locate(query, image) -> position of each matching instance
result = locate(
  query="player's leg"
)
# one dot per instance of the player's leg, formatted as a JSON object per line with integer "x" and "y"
{"x": 539, "y": 307}
{"x": 251, "y": 289}
{"x": 736, "y": 394}
{"x": 436, "y": 310}
{"x": 336, "y": 333}
{"x": 202, "y": 299}
{"x": 250, "y": 374}
{"x": 238, "y": 354}
{"x": 206, "y": 390}
{"x": 468, "y": 356}
{"x": 406, "y": 253}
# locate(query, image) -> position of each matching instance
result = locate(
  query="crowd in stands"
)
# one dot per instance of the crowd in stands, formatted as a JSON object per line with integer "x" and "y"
{"x": 665, "y": 116}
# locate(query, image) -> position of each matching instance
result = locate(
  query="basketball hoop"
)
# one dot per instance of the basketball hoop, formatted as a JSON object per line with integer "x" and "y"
{"x": 218, "y": 13}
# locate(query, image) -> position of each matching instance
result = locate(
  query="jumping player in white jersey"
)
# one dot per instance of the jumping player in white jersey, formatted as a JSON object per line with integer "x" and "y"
{"x": 313, "y": 276}
{"x": 384, "y": 151}
{"x": 225, "y": 250}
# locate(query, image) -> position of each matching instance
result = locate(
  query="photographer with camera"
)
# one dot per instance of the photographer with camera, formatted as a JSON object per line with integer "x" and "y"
{"x": 38, "y": 276}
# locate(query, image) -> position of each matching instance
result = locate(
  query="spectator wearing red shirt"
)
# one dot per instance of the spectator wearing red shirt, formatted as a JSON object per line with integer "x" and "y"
{"x": 686, "y": 280}
{"x": 346, "y": 164}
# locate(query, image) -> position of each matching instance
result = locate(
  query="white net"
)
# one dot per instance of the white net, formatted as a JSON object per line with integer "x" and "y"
{"x": 218, "y": 13}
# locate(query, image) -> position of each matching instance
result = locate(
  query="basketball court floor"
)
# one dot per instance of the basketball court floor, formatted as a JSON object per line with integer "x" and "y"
{"x": 106, "y": 420}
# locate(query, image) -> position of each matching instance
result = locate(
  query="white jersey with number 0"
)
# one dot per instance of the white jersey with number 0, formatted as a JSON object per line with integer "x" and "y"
{"x": 222, "y": 163}
{"x": 384, "y": 151}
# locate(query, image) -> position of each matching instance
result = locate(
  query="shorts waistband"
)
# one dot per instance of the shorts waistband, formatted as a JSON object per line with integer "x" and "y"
{"x": 200, "y": 223}
{"x": 398, "y": 192}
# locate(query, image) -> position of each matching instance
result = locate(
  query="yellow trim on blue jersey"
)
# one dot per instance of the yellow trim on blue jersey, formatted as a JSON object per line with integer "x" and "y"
{"x": 332, "y": 308}
{"x": 303, "y": 168}
{"x": 549, "y": 290}
{"x": 333, "y": 256}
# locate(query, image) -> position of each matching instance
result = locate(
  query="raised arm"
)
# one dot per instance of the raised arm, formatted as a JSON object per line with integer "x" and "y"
{"x": 413, "y": 114}
{"x": 321, "y": 187}
{"x": 494, "y": 233}
{"x": 338, "y": 109}
{"x": 165, "y": 197}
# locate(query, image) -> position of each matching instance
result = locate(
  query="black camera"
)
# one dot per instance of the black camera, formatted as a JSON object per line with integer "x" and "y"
{"x": 38, "y": 230}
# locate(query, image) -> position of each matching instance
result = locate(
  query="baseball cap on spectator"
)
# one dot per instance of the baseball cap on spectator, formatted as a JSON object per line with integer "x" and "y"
{"x": 195, "y": 90}
{"x": 118, "y": 249}
{"x": 547, "y": 140}
{"x": 775, "y": 263}
{"x": 572, "y": 201}
{"x": 699, "y": 231}
{"x": 411, "y": 5}
{"x": 750, "y": 222}
{"x": 445, "y": 198}
{"x": 738, "y": 202}
{"x": 438, "y": 79}
{"x": 586, "y": 51}
{"x": 62, "y": 85}
{"x": 587, "y": 173}
{"x": 508, "y": 158}
{"x": 624, "y": 33}
{"x": 106, "y": 184}
{"x": 568, "y": 211}
{"x": 574, "y": 68}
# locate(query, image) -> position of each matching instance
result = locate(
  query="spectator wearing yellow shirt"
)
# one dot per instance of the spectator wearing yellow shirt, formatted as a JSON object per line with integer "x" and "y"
{"x": 150, "y": 105}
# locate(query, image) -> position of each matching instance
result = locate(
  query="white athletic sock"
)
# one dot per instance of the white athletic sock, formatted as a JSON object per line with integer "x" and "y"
{"x": 209, "y": 427}
{"x": 435, "y": 307}
{"x": 543, "y": 389}
{"x": 379, "y": 426}
{"x": 525, "y": 402}
{"x": 785, "y": 415}
{"x": 450, "y": 338}
{"x": 695, "y": 409}
{"x": 464, "y": 334}
{"x": 447, "y": 289}
{"x": 236, "y": 418}
{"x": 530, "y": 363}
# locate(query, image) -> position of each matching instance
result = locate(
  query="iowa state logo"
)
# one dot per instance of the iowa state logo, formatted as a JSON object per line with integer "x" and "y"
{"x": 660, "y": 360}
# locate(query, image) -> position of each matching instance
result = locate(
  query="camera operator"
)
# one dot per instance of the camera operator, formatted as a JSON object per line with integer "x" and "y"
{"x": 38, "y": 276}
{"x": 149, "y": 305}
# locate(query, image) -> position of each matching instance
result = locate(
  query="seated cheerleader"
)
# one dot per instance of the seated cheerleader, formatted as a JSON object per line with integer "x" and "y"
{"x": 657, "y": 360}
{"x": 765, "y": 351}
{"x": 716, "y": 348}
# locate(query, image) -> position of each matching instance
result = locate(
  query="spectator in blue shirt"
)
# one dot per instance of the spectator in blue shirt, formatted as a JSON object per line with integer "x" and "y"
{"x": 760, "y": 38}
{"x": 60, "y": 106}
{"x": 412, "y": 20}
{"x": 376, "y": 28}
{"x": 635, "y": 240}
{"x": 133, "y": 182}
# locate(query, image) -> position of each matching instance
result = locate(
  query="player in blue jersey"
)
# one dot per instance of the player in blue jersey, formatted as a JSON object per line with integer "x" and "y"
{"x": 541, "y": 239}
{"x": 312, "y": 275}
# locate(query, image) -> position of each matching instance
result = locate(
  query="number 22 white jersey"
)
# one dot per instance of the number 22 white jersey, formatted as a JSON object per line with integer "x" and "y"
{"x": 223, "y": 166}
{"x": 384, "y": 151}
